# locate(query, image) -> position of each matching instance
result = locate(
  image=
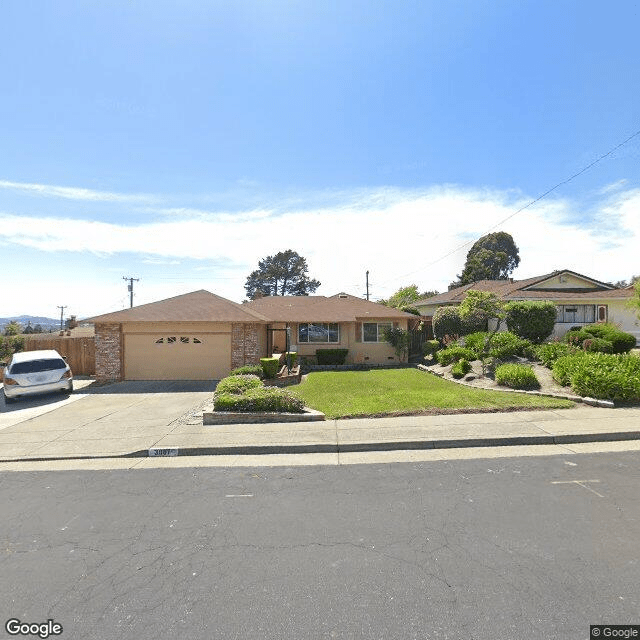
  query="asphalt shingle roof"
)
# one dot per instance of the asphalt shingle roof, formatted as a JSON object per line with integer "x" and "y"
{"x": 198, "y": 306}
{"x": 339, "y": 308}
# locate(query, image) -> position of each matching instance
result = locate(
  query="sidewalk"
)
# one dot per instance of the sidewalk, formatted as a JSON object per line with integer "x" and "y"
{"x": 188, "y": 437}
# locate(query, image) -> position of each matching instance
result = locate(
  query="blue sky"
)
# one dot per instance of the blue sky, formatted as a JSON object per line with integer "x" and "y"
{"x": 181, "y": 142}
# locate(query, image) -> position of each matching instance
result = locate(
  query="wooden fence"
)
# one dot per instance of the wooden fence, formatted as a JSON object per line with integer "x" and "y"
{"x": 80, "y": 353}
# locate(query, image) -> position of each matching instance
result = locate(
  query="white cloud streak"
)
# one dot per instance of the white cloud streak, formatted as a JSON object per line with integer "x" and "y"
{"x": 401, "y": 238}
{"x": 75, "y": 193}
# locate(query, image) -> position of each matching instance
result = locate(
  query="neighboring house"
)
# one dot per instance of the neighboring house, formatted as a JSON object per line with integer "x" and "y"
{"x": 579, "y": 299}
{"x": 341, "y": 321}
{"x": 202, "y": 336}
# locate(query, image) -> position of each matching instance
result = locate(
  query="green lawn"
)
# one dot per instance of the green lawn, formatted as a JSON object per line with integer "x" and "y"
{"x": 341, "y": 394}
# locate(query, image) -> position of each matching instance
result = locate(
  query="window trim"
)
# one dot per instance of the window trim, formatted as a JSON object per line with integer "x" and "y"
{"x": 379, "y": 334}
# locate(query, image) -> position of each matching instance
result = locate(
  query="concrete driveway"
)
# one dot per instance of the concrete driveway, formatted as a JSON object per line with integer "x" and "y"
{"x": 98, "y": 421}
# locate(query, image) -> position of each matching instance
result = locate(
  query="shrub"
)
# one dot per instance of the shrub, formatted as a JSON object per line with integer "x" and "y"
{"x": 548, "y": 353}
{"x": 517, "y": 376}
{"x": 238, "y": 384}
{"x": 576, "y": 337}
{"x": 291, "y": 357}
{"x": 447, "y": 321}
{"x": 248, "y": 369}
{"x": 430, "y": 348}
{"x": 600, "y": 375}
{"x": 599, "y": 345}
{"x": 530, "y": 320}
{"x": 10, "y": 345}
{"x": 331, "y": 356}
{"x": 259, "y": 399}
{"x": 453, "y": 354}
{"x": 460, "y": 368}
{"x": 621, "y": 341}
{"x": 270, "y": 366}
{"x": 476, "y": 341}
{"x": 506, "y": 345}
{"x": 399, "y": 339}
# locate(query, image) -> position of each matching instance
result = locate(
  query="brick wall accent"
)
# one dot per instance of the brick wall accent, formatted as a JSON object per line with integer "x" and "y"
{"x": 108, "y": 352}
{"x": 244, "y": 344}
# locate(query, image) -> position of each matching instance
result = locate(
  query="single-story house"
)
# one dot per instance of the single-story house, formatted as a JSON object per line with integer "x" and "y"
{"x": 579, "y": 299}
{"x": 341, "y": 321}
{"x": 202, "y": 336}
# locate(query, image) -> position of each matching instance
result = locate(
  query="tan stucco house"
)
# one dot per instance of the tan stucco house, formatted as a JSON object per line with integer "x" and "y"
{"x": 341, "y": 321}
{"x": 202, "y": 336}
{"x": 579, "y": 299}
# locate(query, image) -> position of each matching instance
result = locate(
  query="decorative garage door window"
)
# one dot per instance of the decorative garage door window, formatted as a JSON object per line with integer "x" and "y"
{"x": 318, "y": 332}
{"x": 576, "y": 313}
{"x": 374, "y": 331}
{"x": 182, "y": 339}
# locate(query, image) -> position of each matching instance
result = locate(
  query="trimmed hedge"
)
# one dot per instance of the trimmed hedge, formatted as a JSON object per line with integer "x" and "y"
{"x": 460, "y": 368}
{"x": 447, "y": 321}
{"x": 238, "y": 384}
{"x": 248, "y": 369}
{"x": 621, "y": 341}
{"x": 607, "y": 376}
{"x": 517, "y": 376}
{"x": 531, "y": 320}
{"x": 270, "y": 366}
{"x": 599, "y": 345}
{"x": 548, "y": 353}
{"x": 259, "y": 399}
{"x": 331, "y": 356}
{"x": 453, "y": 354}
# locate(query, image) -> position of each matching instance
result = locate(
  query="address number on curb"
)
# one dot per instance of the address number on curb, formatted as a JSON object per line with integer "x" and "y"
{"x": 162, "y": 453}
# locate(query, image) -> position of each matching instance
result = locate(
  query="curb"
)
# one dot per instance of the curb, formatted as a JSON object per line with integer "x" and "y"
{"x": 357, "y": 447}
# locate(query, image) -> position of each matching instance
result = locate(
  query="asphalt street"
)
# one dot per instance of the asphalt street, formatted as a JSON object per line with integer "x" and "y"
{"x": 473, "y": 549}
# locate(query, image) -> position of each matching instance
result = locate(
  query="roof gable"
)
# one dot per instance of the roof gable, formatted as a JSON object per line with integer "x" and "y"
{"x": 567, "y": 280}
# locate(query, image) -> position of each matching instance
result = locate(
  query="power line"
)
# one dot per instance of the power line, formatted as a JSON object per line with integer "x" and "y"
{"x": 515, "y": 213}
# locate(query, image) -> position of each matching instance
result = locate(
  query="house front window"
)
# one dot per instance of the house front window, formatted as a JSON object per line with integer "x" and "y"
{"x": 576, "y": 313}
{"x": 322, "y": 332}
{"x": 374, "y": 331}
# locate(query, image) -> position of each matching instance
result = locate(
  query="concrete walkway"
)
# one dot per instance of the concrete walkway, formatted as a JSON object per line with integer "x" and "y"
{"x": 121, "y": 422}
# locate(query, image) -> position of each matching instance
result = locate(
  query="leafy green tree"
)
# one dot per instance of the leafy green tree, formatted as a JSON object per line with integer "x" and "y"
{"x": 405, "y": 297}
{"x": 492, "y": 257}
{"x": 280, "y": 275}
{"x": 12, "y": 329}
{"x": 634, "y": 303}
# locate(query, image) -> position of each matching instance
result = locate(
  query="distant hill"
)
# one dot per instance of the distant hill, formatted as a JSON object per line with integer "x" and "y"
{"x": 45, "y": 323}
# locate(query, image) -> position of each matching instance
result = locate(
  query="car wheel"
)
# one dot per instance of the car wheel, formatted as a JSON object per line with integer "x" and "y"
{"x": 8, "y": 400}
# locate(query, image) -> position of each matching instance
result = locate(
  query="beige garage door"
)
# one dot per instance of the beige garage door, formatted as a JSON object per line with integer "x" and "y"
{"x": 177, "y": 357}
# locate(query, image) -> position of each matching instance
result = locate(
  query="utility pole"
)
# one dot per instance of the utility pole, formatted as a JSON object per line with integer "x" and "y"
{"x": 367, "y": 285}
{"x": 130, "y": 287}
{"x": 62, "y": 308}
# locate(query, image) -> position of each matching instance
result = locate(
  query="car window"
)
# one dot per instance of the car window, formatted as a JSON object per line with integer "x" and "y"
{"x": 35, "y": 366}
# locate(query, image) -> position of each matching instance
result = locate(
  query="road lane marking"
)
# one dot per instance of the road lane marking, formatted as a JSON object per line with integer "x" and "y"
{"x": 581, "y": 483}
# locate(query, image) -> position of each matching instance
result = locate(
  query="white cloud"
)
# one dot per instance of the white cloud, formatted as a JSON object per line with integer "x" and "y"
{"x": 400, "y": 237}
{"x": 75, "y": 193}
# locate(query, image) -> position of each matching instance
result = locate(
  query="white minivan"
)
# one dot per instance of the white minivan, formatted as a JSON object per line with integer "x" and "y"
{"x": 31, "y": 372}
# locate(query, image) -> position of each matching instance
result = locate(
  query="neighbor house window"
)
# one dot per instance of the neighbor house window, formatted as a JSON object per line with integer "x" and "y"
{"x": 374, "y": 331}
{"x": 576, "y": 313}
{"x": 319, "y": 332}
